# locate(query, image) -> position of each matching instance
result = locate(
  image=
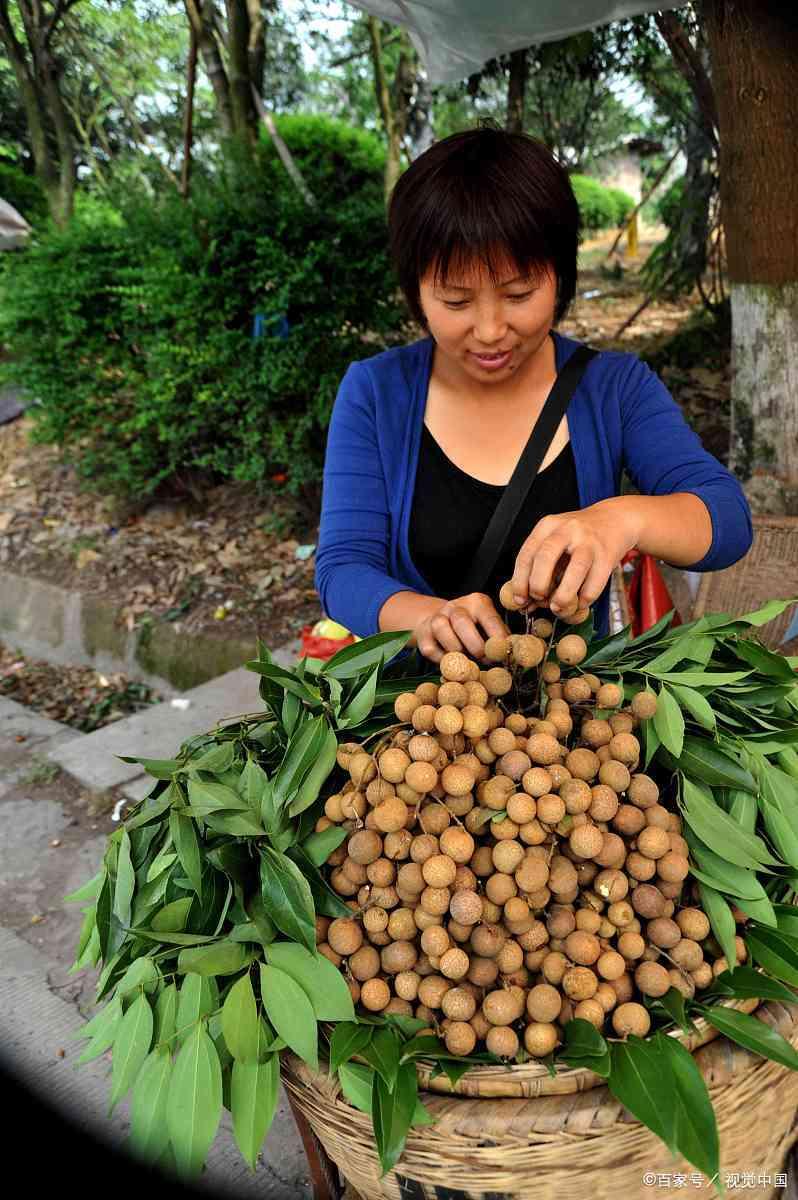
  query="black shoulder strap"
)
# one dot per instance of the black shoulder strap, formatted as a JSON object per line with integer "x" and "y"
{"x": 526, "y": 469}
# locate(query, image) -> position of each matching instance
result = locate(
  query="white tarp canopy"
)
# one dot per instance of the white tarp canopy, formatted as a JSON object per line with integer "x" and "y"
{"x": 13, "y": 227}
{"x": 455, "y": 38}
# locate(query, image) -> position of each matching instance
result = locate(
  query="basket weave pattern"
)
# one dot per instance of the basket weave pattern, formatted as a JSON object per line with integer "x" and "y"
{"x": 573, "y": 1146}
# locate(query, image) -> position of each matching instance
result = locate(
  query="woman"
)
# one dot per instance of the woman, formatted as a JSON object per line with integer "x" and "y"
{"x": 484, "y": 230}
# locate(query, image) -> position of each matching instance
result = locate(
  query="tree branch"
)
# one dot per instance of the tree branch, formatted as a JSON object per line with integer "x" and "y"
{"x": 688, "y": 62}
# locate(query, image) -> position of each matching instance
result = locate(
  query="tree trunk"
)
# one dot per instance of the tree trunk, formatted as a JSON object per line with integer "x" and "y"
{"x": 516, "y": 91}
{"x": 243, "y": 110}
{"x": 188, "y": 118}
{"x": 754, "y": 54}
{"x": 201, "y": 18}
{"x": 385, "y": 105}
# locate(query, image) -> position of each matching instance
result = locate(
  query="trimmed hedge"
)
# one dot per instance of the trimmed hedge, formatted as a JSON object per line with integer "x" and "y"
{"x": 24, "y": 192}
{"x": 601, "y": 207}
{"x": 135, "y": 329}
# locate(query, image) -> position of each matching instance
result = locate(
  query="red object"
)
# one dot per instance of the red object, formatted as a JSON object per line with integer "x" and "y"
{"x": 321, "y": 647}
{"x": 649, "y": 598}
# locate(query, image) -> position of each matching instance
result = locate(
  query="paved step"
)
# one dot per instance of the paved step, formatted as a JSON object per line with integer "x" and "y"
{"x": 157, "y": 732}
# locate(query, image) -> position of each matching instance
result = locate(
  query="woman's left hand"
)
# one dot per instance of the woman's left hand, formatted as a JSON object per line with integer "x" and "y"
{"x": 587, "y": 545}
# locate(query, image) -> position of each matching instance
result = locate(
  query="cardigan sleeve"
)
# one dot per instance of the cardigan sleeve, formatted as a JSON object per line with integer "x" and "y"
{"x": 352, "y": 561}
{"x": 664, "y": 455}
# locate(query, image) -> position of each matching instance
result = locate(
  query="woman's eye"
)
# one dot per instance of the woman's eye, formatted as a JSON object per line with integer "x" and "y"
{"x": 520, "y": 296}
{"x": 455, "y": 303}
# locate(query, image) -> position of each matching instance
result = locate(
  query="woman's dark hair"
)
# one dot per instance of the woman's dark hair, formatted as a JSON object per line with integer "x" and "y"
{"x": 489, "y": 195}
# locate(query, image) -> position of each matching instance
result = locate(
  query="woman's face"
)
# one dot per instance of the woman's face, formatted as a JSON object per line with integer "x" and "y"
{"x": 489, "y": 330}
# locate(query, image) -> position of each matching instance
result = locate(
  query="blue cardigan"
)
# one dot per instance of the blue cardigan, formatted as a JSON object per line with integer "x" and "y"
{"x": 621, "y": 416}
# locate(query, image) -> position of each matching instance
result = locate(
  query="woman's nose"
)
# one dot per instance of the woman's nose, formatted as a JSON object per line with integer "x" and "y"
{"x": 490, "y": 326}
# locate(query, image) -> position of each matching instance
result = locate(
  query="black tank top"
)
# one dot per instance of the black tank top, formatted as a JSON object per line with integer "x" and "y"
{"x": 451, "y": 511}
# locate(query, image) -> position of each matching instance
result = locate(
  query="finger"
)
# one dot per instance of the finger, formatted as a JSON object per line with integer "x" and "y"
{"x": 486, "y": 616}
{"x": 594, "y": 584}
{"x": 464, "y": 627}
{"x": 545, "y": 561}
{"x": 429, "y": 648}
{"x": 526, "y": 556}
{"x": 443, "y": 633}
{"x": 564, "y": 599}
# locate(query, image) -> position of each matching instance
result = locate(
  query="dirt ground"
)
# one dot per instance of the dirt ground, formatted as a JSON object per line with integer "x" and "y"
{"x": 246, "y": 562}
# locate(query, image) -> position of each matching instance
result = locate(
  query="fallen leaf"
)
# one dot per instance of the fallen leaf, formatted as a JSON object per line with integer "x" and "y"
{"x": 85, "y": 556}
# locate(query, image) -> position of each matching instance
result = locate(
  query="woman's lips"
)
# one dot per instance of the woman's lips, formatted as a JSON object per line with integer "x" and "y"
{"x": 490, "y": 362}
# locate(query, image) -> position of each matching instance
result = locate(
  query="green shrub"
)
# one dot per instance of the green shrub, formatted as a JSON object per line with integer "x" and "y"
{"x": 669, "y": 206}
{"x": 136, "y": 336}
{"x": 600, "y": 207}
{"x": 24, "y": 192}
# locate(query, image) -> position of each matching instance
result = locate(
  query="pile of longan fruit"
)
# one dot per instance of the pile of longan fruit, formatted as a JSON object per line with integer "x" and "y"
{"x": 506, "y": 872}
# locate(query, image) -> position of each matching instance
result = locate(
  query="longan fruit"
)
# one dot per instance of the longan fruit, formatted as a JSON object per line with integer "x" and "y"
{"x": 460, "y": 1038}
{"x": 497, "y": 681}
{"x": 528, "y": 651}
{"x": 466, "y": 907}
{"x": 613, "y": 851}
{"x": 379, "y": 789}
{"x": 644, "y": 705}
{"x": 452, "y": 693}
{"x": 582, "y": 947}
{"x": 354, "y": 805}
{"x": 500, "y": 1007}
{"x": 588, "y": 920}
{"x": 381, "y": 872}
{"x": 571, "y": 649}
{"x": 405, "y": 705}
{"x": 457, "y": 780}
{"x": 596, "y": 733}
{"x": 476, "y": 721}
{"x": 454, "y": 666}
{"x": 603, "y": 802}
{"x": 702, "y": 976}
{"x": 643, "y": 791}
{"x": 693, "y": 923}
{"x": 421, "y": 777}
{"x": 624, "y": 988}
{"x": 439, "y": 871}
{"x": 579, "y": 983}
{"x": 629, "y": 820}
{"x": 550, "y": 809}
{"x": 398, "y": 956}
{"x": 354, "y": 871}
{"x": 506, "y": 597}
{"x": 365, "y": 846}
{"x": 487, "y": 940}
{"x": 375, "y": 920}
{"x": 576, "y": 690}
{"x": 514, "y": 764}
{"x": 406, "y": 984}
{"x": 393, "y": 764}
{"x": 500, "y": 887}
{"x": 497, "y": 649}
{"x": 631, "y": 945}
{"x": 615, "y": 774}
{"x": 559, "y": 773}
{"x": 362, "y": 769}
{"x": 423, "y": 719}
{"x": 631, "y": 1018}
{"x": 390, "y": 815}
{"x": 592, "y": 1011}
{"x": 540, "y": 1039}
{"x": 386, "y": 897}
{"x": 625, "y": 748}
{"x": 375, "y": 995}
{"x": 401, "y": 926}
{"x": 332, "y": 808}
{"x": 610, "y": 965}
{"x": 435, "y": 941}
{"x": 622, "y": 722}
{"x": 510, "y": 958}
{"x": 653, "y": 842}
{"x": 652, "y": 979}
{"x": 345, "y": 936}
{"x": 531, "y": 875}
{"x": 543, "y": 1003}
{"x": 435, "y": 900}
{"x": 687, "y": 954}
{"x": 609, "y": 695}
{"x": 611, "y": 885}
{"x": 672, "y": 867}
{"x": 621, "y": 913}
{"x": 639, "y": 867}
{"x": 648, "y": 901}
{"x": 507, "y": 855}
{"x": 544, "y": 749}
{"x": 448, "y": 720}
{"x": 502, "y": 1041}
{"x": 364, "y": 963}
{"x": 396, "y": 846}
{"x": 434, "y": 818}
{"x": 521, "y": 808}
{"x": 561, "y": 725}
{"x": 585, "y": 841}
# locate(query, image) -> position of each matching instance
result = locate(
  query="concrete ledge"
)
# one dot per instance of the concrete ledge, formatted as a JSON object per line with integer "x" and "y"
{"x": 47, "y": 621}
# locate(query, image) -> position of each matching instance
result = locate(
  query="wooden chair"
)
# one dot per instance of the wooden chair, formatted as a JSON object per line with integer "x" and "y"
{"x": 768, "y": 572}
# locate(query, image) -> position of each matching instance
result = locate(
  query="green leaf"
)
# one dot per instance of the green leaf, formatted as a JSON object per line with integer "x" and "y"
{"x": 131, "y": 1047}
{"x": 787, "y": 918}
{"x": 258, "y": 791}
{"x": 651, "y": 634}
{"x": 194, "y": 1101}
{"x": 172, "y": 917}
{"x": 383, "y": 1053}
{"x": 285, "y": 679}
{"x": 311, "y": 785}
{"x": 184, "y": 837}
{"x": 724, "y": 876}
{"x": 697, "y": 705}
{"x": 290, "y": 1012}
{"x": 303, "y": 749}
{"x": 217, "y": 759}
{"x": 715, "y": 827}
{"x": 162, "y": 862}
{"x": 356, "y": 1085}
{"x": 704, "y": 760}
{"x": 392, "y": 1113}
{"x": 102, "y": 1029}
{"x": 607, "y": 649}
{"x": 764, "y": 661}
{"x": 142, "y": 973}
{"x": 760, "y": 910}
{"x": 174, "y": 939}
{"x": 669, "y": 722}
{"x": 287, "y": 897}
{"x": 751, "y": 1033}
{"x": 640, "y": 1079}
{"x": 323, "y": 984}
{"x": 159, "y": 768}
{"x": 87, "y": 891}
{"x": 125, "y": 881}
{"x": 319, "y": 846}
{"x": 325, "y": 901}
{"x": 780, "y": 832}
{"x": 743, "y": 810}
{"x": 721, "y": 920}
{"x": 744, "y": 982}
{"x": 348, "y": 1039}
{"x": 154, "y": 811}
{"x": 583, "y": 1039}
{"x": 256, "y": 911}
{"x": 220, "y": 958}
{"x": 198, "y": 998}
{"x": 696, "y": 1134}
{"x": 708, "y": 679}
{"x": 673, "y": 1003}
{"x": 361, "y": 703}
{"x": 208, "y": 797}
{"x": 357, "y": 658}
{"x": 771, "y": 610}
{"x": 774, "y": 951}
{"x": 240, "y": 1021}
{"x": 149, "y": 1134}
{"x": 240, "y": 824}
{"x": 254, "y": 1089}
{"x": 166, "y": 1015}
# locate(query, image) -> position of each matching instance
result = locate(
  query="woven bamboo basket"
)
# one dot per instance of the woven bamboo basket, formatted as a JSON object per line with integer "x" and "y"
{"x": 770, "y": 569}
{"x": 575, "y": 1145}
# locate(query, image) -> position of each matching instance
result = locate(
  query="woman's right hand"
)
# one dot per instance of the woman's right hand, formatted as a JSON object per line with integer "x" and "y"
{"x": 461, "y": 624}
